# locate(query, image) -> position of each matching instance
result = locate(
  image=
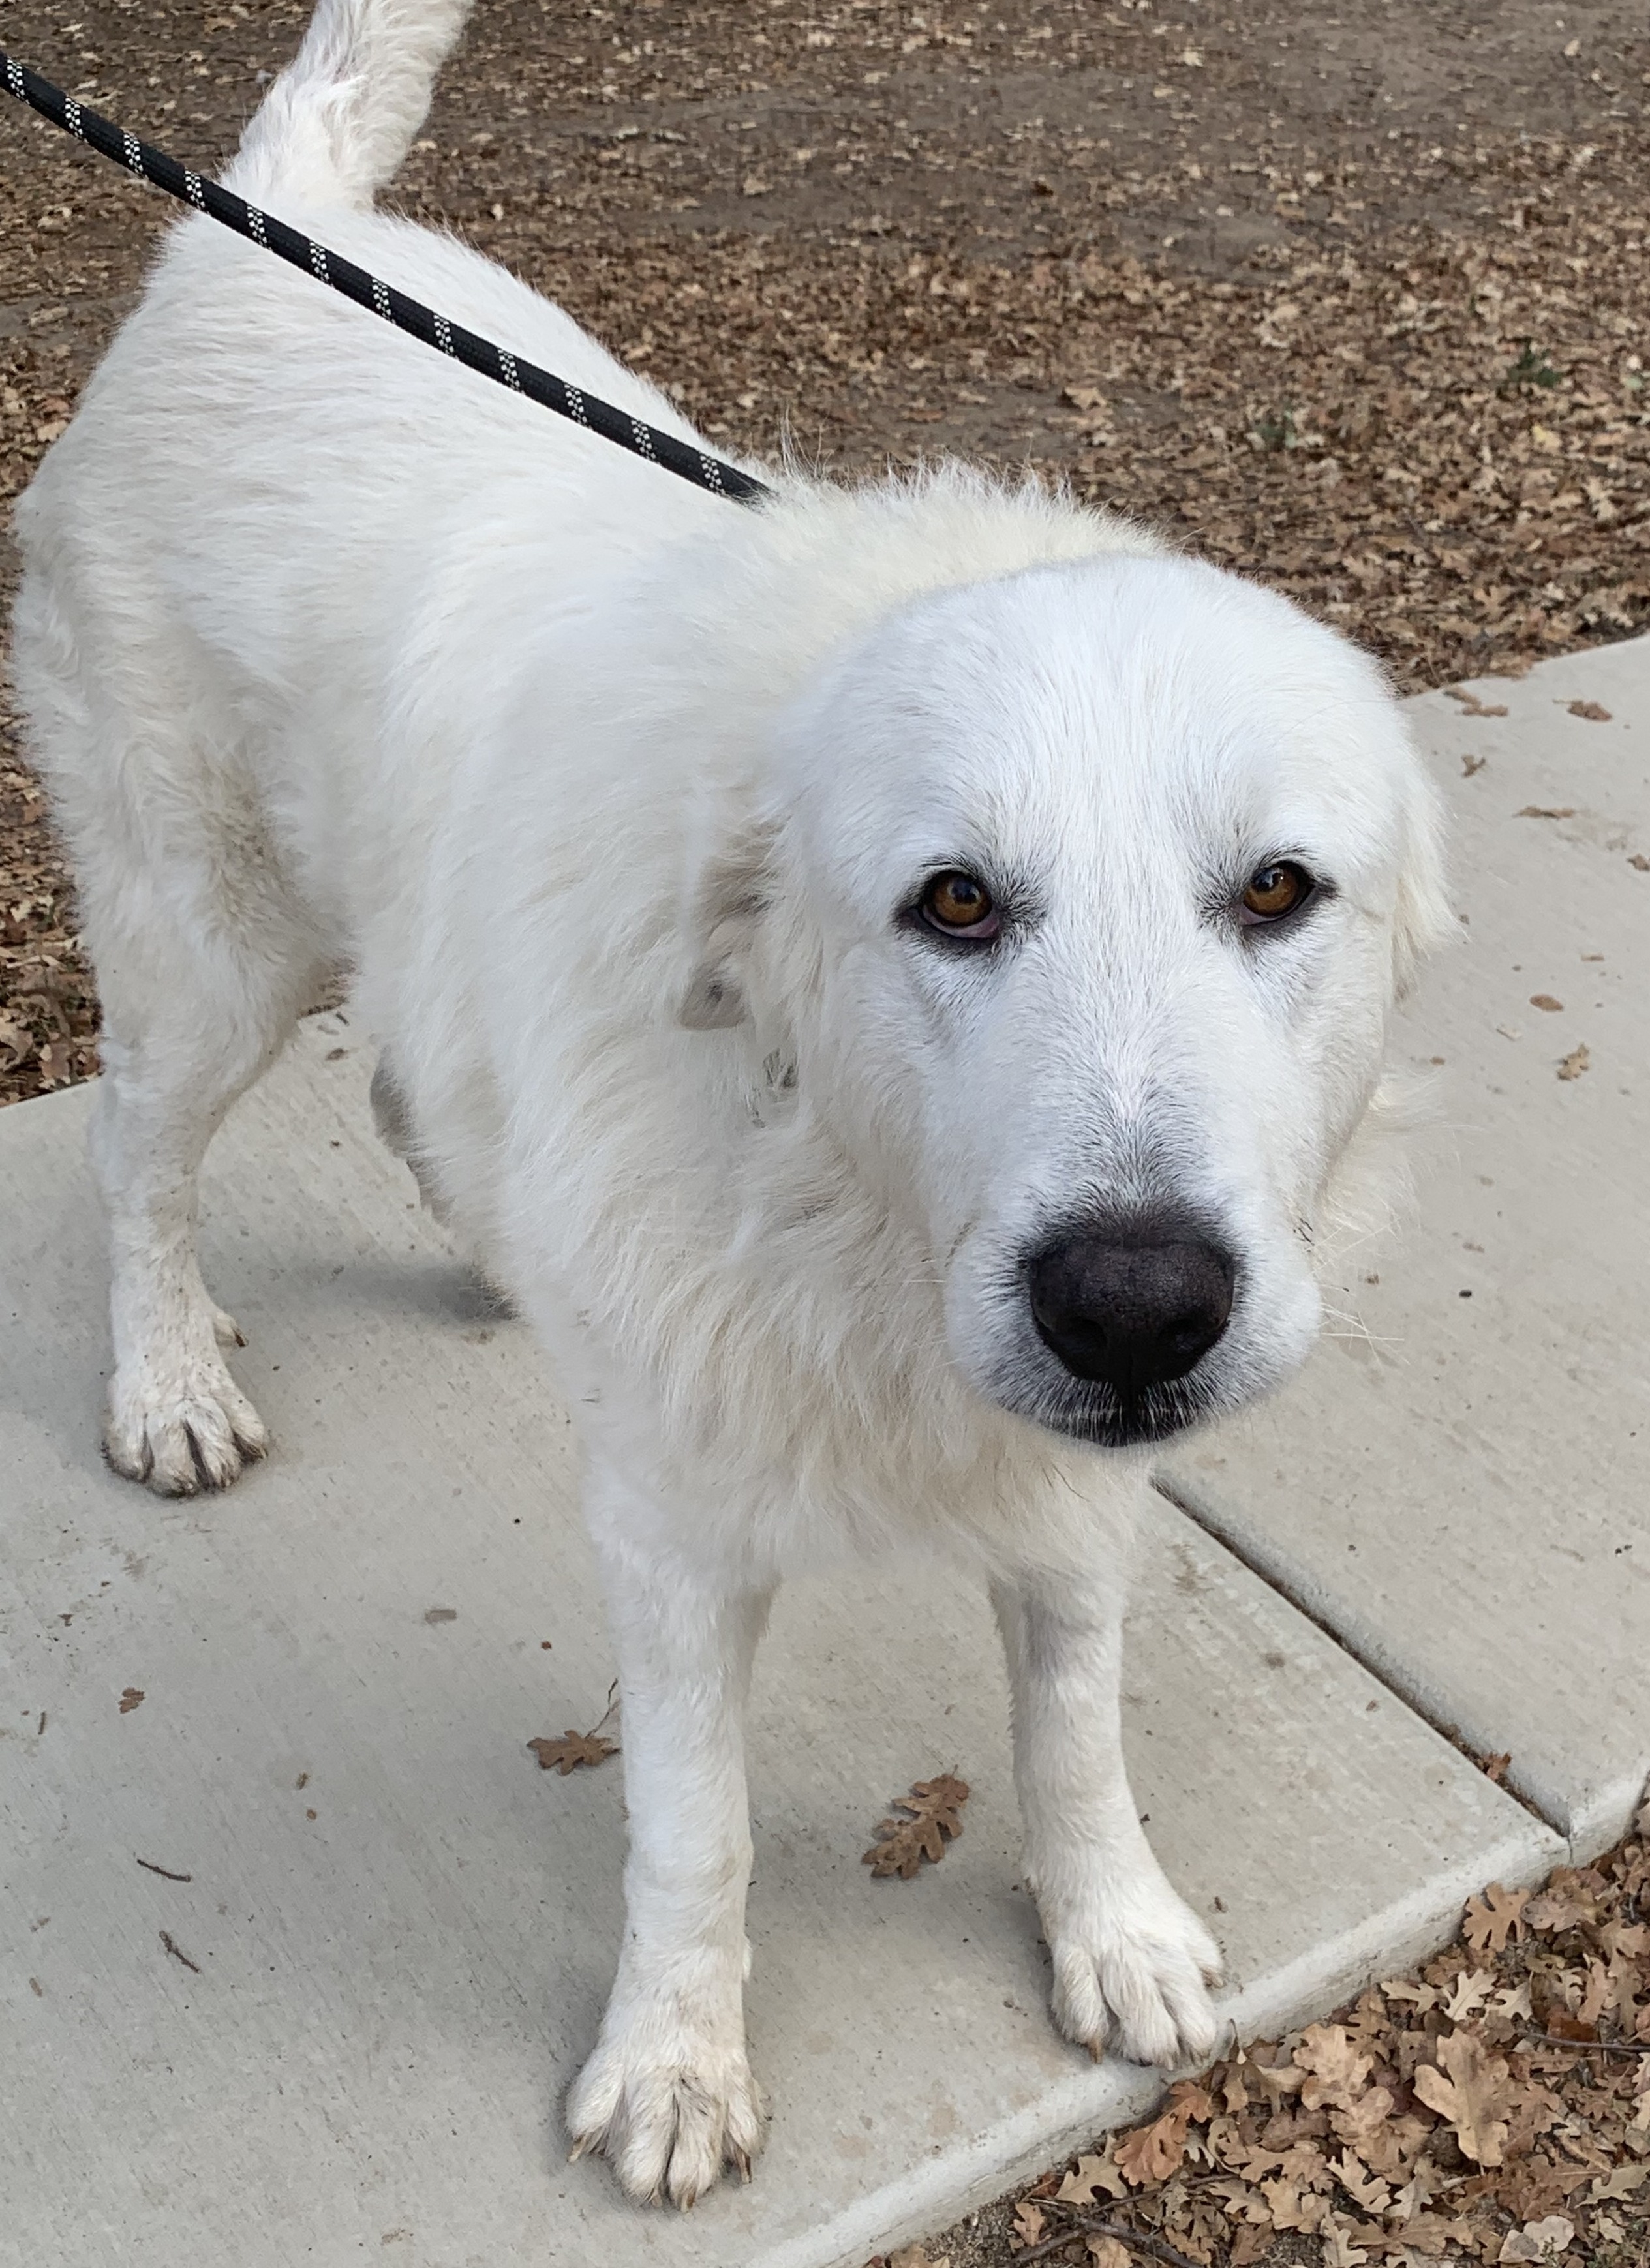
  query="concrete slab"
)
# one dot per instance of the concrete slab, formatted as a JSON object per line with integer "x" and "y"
{"x": 347, "y": 2032}
{"x": 1462, "y": 1488}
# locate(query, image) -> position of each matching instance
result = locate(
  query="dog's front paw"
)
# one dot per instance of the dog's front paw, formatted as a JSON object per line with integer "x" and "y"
{"x": 1133, "y": 1971}
{"x": 668, "y": 2103}
{"x": 181, "y": 1426}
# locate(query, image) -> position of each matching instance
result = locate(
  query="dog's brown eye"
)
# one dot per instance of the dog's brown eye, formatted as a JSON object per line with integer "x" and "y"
{"x": 1275, "y": 891}
{"x": 959, "y": 905}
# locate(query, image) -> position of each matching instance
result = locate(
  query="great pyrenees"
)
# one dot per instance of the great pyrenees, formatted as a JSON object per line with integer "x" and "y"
{"x": 886, "y": 981}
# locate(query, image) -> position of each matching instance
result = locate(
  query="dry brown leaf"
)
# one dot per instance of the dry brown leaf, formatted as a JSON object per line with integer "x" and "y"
{"x": 1028, "y": 2222}
{"x": 1467, "y": 1995}
{"x": 1548, "y": 811}
{"x": 1494, "y": 1918}
{"x": 130, "y": 1698}
{"x": 1538, "y": 2240}
{"x": 1591, "y": 710}
{"x": 572, "y": 1750}
{"x": 1359, "y": 2124}
{"x": 1337, "y": 2072}
{"x": 1090, "y": 2175}
{"x": 1551, "y": 1007}
{"x": 1570, "y": 1898}
{"x": 913, "y": 2255}
{"x": 1575, "y": 1063}
{"x": 1360, "y": 2184}
{"x": 1294, "y": 2207}
{"x": 1626, "y": 2182}
{"x": 1341, "y": 2247}
{"x": 1106, "y": 2252}
{"x": 935, "y": 1807}
{"x": 1151, "y": 2153}
{"x": 1471, "y": 704}
{"x": 1472, "y": 2089}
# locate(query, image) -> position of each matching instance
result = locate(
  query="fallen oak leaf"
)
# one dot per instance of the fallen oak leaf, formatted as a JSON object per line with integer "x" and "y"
{"x": 1467, "y": 1995}
{"x": 1335, "y": 2071}
{"x": 1363, "y": 2188}
{"x": 1153, "y": 2152}
{"x": 572, "y": 1750}
{"x": 1473, "y": 2091}
{"x": 1341, "y": 2249}
{"x": 1538, "y": 2240}
{"x": 1028, "y": 2222}
{"x": 1626, "y": 2182}
{"x": 936, "y": 1813}
{"x": 575, "y": 1749}
{"x": 1090, "y": 2175}
{"x": 1494, "y": 1916}
{"x": 1360, "y": 2123}
{"x": 1150, "y": 2153}
{"x": 1570, "y": 1897}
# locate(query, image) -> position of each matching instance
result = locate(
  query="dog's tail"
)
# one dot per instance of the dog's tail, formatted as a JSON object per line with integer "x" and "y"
{"x": 342, "y": 115}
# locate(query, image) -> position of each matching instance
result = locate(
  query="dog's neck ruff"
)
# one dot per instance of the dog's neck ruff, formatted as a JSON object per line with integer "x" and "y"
{"x": 380, "y": 299}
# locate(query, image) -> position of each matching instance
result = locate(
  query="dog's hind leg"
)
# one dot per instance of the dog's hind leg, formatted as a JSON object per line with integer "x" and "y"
{"x": 188, "y": 1025}
{"x": 205, "y": 957}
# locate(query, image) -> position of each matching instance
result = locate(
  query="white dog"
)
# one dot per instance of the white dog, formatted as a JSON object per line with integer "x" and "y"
{"x": 887, "y": 980}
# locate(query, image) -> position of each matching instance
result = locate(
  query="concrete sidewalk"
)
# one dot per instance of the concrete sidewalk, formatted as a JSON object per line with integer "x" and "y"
{"x": 398, "y": 1932}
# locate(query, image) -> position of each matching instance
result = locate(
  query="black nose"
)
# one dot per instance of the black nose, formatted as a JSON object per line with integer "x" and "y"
{"x": 1135, "y": 1308}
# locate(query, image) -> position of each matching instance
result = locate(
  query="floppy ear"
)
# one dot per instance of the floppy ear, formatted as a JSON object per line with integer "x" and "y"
{"x": 729, "y": 901}
{"x": 1422, "y": 918}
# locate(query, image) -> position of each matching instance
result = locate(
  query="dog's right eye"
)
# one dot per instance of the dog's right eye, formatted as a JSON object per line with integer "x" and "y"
{"x": 958, "y": 904}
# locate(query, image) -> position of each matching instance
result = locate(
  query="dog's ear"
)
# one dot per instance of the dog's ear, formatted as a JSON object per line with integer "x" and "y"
{"x": 730, "y": 898}
{"x": 1422, "y": 918}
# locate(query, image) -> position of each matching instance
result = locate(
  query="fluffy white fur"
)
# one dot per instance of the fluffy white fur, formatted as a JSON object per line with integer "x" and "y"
{"x": 617, "y": 797}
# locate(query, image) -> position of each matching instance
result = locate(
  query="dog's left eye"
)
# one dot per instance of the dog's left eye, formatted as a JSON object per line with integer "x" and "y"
{"x": 1274, "y": 891}
{"x": 958, "y": 904}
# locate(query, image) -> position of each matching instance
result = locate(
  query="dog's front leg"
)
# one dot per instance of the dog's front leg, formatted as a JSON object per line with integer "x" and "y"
{"x": 1131, "y": 1960}
{"x": 667, "y": 2094}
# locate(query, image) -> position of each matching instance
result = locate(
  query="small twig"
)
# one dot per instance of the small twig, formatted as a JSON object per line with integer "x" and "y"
{"x": 177, "y": 1951}
{"x": 1592, "y": 2047}
{"x": 166, "y": 1871}
{"x": 1155, "y": 2247}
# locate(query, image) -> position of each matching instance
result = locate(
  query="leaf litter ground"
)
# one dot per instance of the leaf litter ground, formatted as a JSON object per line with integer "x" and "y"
{"x": 1352, "y": 299}
{"x": 1493, "y": 2107}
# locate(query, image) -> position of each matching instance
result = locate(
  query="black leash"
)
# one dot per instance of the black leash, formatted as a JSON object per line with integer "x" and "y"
{"x": 380, "y": 299}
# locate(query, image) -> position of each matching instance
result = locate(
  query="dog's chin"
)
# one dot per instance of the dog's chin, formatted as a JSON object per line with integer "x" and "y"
{"x": 1043, "y": 1394}
{"x": 1084, "y": 1412}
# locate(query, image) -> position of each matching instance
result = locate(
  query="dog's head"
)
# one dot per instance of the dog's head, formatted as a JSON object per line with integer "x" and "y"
{"x": 1084, "y": 896}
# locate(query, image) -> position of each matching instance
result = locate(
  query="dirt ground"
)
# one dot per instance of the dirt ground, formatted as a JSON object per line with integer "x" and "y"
{"x": 1352, "y": 298}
